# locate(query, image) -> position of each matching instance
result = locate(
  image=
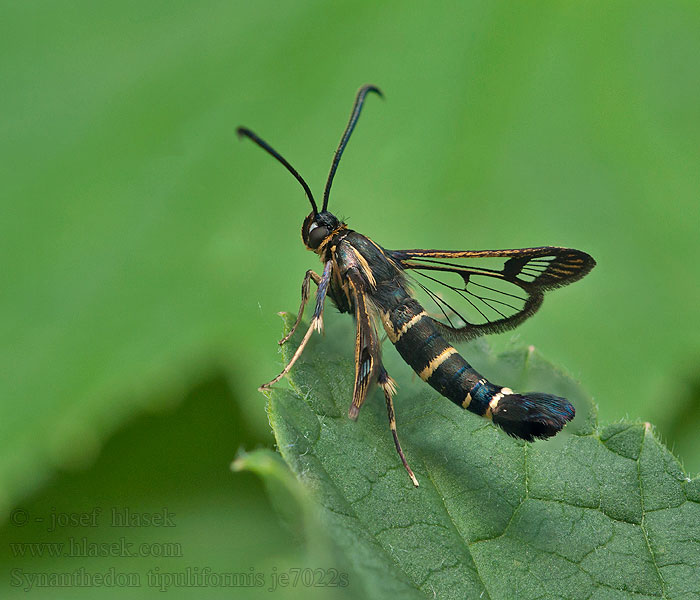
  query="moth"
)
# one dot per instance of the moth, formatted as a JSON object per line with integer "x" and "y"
{"x": 471, "y": 293}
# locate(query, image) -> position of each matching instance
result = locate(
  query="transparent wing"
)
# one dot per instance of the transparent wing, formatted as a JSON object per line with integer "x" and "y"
{"x": 471, "y": 293}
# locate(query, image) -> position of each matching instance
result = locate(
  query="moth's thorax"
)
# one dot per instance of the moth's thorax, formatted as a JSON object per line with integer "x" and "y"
{"x": 329, "y": 245}
{"x": 352, "y": 250}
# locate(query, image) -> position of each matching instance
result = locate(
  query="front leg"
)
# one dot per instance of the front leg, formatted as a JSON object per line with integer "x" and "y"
{"x": 304, "y": 299}
{"x": 316, "y": 323}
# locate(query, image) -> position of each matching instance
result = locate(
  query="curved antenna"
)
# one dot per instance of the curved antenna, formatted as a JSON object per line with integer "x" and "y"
{"x": 354, "y": 116}
{"x": 244, "y": 132}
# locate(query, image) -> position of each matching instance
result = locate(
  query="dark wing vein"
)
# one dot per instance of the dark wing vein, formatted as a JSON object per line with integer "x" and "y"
{"x": 440, "y": 300}
{"x": 435, "y": 298}
{"x": 498, "y": 291}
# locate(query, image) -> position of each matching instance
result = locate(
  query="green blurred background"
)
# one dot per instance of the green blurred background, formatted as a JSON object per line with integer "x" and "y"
{"x": 145, "y": 252}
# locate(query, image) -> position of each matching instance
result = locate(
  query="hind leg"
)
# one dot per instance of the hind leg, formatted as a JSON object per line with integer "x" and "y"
{"x": 389, "y": 389}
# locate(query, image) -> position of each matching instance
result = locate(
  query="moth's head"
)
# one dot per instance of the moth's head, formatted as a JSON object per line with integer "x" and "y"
{"x": 319, "y": 224}
{"x": 317, "y": 227}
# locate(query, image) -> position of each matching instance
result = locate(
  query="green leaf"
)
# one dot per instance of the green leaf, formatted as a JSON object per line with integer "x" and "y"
{"x": 600, "y": 513}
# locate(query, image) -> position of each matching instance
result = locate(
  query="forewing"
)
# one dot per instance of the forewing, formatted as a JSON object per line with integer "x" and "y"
{"x": 366, "y": 344}
{"x": 471, "y": 293}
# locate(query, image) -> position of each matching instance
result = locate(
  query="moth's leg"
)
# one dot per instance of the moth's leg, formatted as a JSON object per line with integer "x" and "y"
{"x": 367, "y": 350}
{"x": 316, "y": 323}
{"x": 389, "y": 388}
{"x": 304, "y": 299}
{"x": 368, "y": 363}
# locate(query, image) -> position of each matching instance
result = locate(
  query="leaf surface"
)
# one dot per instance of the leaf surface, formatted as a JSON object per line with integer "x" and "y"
{"x": 598, "y": 513}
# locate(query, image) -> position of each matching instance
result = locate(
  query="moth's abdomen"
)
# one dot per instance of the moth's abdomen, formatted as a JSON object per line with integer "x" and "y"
{"x": 438, "y": 363}
{"x": 532, "y": 415}
{"x": 419, "y": 342}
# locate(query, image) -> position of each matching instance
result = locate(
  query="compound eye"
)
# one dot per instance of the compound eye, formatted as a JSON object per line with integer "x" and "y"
{"x": 317, "y": 235}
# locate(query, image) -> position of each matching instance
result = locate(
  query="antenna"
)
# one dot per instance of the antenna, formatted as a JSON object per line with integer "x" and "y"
{"x": 354, "y": 116}
{"x": 244, "y": 132}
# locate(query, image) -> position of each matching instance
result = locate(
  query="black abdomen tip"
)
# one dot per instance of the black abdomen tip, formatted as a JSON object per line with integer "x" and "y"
{"x": 530, "y": 416}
